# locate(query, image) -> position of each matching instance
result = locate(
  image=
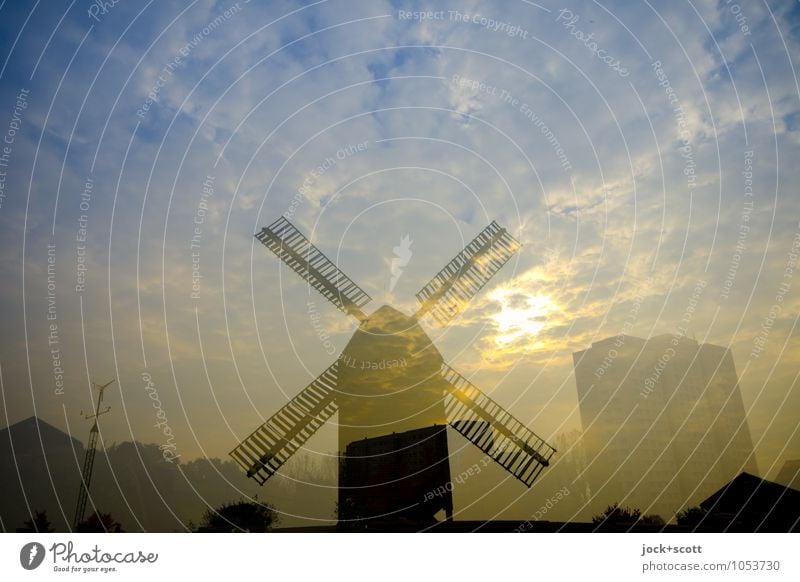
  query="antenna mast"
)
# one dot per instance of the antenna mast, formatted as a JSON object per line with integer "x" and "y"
{"x": 91, "y": 449}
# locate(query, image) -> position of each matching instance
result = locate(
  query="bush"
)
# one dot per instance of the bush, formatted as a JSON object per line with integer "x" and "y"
{"x": 99, "y": 523}
{"x": 614, "y": 515}
{"x": 38, "y": 524}
{"x": 692, "y": 517}
{"x": 239, "y": 516}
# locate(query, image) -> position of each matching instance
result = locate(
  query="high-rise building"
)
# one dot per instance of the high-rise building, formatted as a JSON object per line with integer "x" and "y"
{"x": 663, "y": 420}
{"x": 789, "y": 474}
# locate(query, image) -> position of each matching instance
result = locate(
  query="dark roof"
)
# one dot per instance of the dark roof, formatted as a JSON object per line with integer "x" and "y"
{"x": 749, "y": 503}
{"x": 746, "y": 486}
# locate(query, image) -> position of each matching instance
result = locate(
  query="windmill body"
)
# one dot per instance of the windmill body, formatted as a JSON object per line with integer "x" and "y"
{"x": 389, "y": 379}
{"x": 393, "y": 391}
{"x": 392, "y": 438}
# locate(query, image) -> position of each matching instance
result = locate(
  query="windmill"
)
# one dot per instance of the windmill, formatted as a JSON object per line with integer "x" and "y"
{"x": 91, "y": 449}
{"x": 393, "y": 391}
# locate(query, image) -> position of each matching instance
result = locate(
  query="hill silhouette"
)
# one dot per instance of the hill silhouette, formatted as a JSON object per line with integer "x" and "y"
{"x": 133, "y": 483}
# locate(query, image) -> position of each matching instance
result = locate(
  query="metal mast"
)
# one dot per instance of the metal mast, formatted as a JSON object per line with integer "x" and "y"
{"x": 91, "y": 449}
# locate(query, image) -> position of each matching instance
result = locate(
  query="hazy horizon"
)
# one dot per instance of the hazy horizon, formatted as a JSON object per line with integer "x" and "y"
{"x": 652, "y": 189}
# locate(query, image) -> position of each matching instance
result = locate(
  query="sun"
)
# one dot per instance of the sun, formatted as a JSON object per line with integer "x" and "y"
{"x": 521, "y": 316}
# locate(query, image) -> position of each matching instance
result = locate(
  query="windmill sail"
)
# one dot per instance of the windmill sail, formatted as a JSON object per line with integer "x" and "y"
{"x": 446, "y": 295}
{"x": 270, "y": 445}
{"x": 493, "y": 430}
{"x": 294, "y": 249}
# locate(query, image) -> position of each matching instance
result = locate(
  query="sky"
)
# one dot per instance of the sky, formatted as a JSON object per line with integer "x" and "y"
{"x": 636, "y": 151}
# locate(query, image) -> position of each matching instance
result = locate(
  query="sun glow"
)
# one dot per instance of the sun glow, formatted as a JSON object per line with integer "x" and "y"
{"x": 521, "y": 316}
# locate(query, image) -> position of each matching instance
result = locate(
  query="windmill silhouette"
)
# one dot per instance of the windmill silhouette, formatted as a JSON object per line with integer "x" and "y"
{"x": 392, "y": 389}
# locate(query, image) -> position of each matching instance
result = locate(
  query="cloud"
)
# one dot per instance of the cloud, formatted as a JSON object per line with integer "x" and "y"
{"x": 584, "y": 166}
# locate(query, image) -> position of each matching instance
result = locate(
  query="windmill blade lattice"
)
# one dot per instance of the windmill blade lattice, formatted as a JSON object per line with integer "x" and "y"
{"x": 274, "y": 442}
{"x": 294, "y": 249}
{"x": 493, "y": 430}
{"x": 446, "y": 295}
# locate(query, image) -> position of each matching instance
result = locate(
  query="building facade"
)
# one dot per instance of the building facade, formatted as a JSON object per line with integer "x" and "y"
{"x": 664, "y": 425}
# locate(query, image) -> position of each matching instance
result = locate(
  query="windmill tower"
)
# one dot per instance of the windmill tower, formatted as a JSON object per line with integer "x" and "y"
{"x": 392, "y": 388}
{"x": 91, "y": 449}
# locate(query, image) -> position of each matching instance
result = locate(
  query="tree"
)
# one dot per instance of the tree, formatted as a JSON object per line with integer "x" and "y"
{"x": 38, "y": 524}
{"x": 653, "y": 519}
{"x": 614, "y": 515}
{"x": 239, "y": 516}
{"x": 99, "y": 523}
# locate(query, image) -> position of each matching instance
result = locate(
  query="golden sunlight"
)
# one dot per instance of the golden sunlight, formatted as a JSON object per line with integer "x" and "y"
{"x": 521, "y": 316}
